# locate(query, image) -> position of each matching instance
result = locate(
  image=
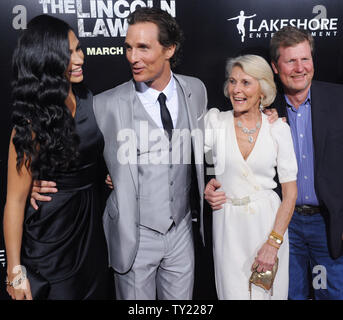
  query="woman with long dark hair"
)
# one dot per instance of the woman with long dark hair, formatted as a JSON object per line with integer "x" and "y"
{"x": 58, "y": 251}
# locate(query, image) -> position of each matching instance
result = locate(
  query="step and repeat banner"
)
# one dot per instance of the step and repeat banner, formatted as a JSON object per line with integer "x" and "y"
{"x": 214, "y": 31}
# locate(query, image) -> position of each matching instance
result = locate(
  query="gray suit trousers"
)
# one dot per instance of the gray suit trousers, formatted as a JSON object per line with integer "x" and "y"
{"x": 163, "y": 268}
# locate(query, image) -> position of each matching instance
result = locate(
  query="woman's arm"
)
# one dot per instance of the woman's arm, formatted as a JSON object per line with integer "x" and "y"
{"x": 266, "y": 256}
{"x": 286, "y": 209}
{"x": 18, "y": 187}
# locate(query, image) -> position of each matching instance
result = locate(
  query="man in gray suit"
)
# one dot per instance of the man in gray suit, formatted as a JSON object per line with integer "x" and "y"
{"x": 153, "y": 126}
{"x": 147, "y": 219}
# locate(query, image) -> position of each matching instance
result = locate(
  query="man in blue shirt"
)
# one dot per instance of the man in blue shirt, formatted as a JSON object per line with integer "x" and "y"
{"x": 315, "y": 114}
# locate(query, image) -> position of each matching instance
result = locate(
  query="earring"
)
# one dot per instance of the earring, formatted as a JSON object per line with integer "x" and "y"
{"x": 261, "y": 106}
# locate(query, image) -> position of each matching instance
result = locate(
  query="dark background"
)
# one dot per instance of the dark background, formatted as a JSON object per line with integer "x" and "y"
{"x": 210, "y": 40}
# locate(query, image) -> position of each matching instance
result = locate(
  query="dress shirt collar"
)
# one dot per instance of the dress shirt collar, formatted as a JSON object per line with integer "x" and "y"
{"x": 306, "y": 101}
{"x": 152, "y": 94}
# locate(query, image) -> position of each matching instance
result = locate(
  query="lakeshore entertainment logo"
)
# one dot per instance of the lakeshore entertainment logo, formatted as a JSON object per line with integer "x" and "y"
{"x": 250, "y": 26}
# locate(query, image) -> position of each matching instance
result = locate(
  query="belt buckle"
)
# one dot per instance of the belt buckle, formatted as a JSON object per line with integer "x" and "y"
{"x": 305, "y": 206}
{"x": 306, "y": 210}
{"x": 240, "y": 202}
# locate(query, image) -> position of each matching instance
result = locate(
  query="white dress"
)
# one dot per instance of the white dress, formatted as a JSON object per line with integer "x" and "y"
{"x": 243, "y": 225}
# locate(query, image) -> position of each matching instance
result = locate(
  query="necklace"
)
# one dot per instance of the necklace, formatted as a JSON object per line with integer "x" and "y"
{"x": 247, "y": 131}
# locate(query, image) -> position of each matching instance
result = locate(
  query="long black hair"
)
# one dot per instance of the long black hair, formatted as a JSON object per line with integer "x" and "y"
{"x": 45, "y": 139}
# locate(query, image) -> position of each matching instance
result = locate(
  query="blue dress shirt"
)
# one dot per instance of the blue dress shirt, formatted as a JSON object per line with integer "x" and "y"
{"x": 300, "y": 122}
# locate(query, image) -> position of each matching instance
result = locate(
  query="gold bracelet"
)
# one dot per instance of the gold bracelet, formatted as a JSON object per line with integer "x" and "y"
{"x": 276, "y": 237}
{"x": 273, "y": 244}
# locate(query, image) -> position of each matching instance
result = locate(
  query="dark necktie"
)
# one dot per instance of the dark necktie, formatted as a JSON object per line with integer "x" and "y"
{"x": 165, "y": 115}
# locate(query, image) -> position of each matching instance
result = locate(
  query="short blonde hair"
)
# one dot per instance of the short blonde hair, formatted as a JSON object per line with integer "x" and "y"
{"x": 258, "y": 68}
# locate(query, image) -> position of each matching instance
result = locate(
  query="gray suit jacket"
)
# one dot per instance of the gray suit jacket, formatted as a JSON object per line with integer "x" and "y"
{"x": 114, "y": 114}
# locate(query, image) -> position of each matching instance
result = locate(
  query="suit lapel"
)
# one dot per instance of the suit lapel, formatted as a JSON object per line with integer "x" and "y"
{"x": 191, "y": 112}
{"x": 126, "y": 108}
{"x": 197, "y": 141}
{"x": 281, "y": 106}
{"x": 319, "y": 106}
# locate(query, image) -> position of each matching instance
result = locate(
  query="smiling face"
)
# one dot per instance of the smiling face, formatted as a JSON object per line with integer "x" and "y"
{"x": 295, "y": 68}
{"x": 244, "y": 91}
{"x": 148, "y": 59}
{"x": 74, "y": 71}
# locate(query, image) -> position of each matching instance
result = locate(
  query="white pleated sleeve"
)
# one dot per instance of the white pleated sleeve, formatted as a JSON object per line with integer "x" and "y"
{"x": 286, "y": 160}
{"x": 211, "y": 126}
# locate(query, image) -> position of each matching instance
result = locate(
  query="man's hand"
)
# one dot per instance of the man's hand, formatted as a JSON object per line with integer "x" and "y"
{"x": 273, "y": 115}
{"x": 109, "y": 182}
{"x": 213, "y": 197}
{"x": 41, "y": 186}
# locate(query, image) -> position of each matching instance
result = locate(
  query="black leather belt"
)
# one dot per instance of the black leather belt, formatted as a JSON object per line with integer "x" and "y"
{"x": 308, "y": 210}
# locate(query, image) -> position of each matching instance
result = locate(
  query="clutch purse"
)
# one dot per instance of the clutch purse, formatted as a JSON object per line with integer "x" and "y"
{"x": 264, "y": 280}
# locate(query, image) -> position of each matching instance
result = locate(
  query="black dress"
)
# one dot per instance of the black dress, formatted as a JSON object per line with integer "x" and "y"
{"x": 64, "y": 240}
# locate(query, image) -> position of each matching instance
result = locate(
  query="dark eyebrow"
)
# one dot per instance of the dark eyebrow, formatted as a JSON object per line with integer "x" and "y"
{"x": 138, "y": 45}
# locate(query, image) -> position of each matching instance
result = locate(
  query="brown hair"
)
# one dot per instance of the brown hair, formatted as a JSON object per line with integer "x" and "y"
{"x": 169, "y": 31}
{"x": 288, "y": 37}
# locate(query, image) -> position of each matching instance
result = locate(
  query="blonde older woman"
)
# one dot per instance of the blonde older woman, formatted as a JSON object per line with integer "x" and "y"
{"x": 250, "y": 228}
